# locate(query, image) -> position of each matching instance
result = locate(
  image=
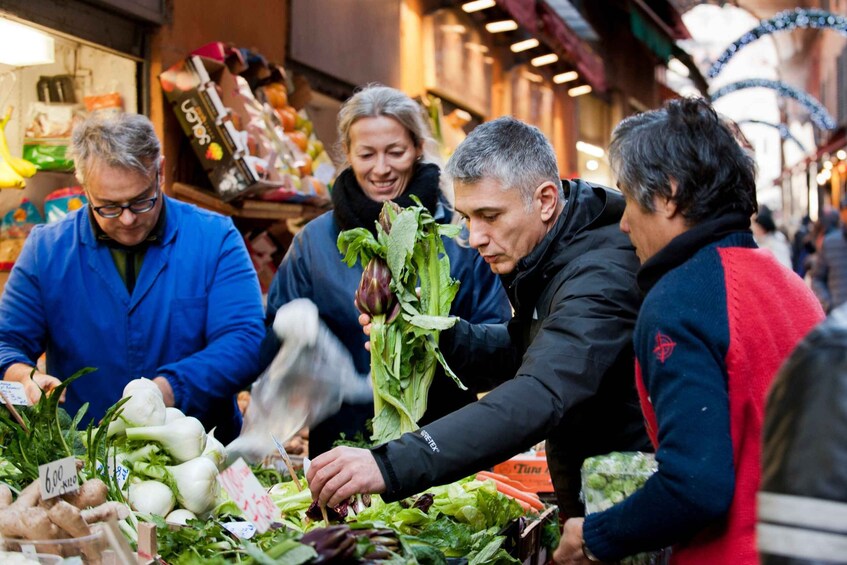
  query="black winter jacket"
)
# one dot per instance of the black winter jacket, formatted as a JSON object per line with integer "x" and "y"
{"x": 562, "y": 367}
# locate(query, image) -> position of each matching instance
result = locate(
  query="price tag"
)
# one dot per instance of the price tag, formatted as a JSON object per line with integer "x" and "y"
{"x": 244, "y": 489}
{"x": 242, "y": 530}
{"x": 58, "y": 477}
{"x": 14, "y": 391}
{"x": 28, "y": 549}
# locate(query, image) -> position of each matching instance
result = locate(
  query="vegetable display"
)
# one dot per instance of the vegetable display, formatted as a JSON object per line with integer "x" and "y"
{"x": 167, "y": 475}
{"x": 406, "y": 253}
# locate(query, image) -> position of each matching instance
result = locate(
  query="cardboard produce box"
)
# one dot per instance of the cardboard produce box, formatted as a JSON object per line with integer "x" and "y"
{"x": 194, "y": 87}
{"x": 528, "y": 469}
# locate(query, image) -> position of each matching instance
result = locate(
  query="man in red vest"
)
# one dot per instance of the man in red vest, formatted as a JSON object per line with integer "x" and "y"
{"x": 719, "y": 317}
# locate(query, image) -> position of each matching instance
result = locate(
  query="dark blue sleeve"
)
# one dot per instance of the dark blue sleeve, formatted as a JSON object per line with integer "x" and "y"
{"x": 292, "y": 280}
{"x": 681, "y": 341}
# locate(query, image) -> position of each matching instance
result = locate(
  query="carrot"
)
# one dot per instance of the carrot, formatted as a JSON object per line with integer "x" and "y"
{"x": 504, "y": 479}
{"x": 512, "y": 492}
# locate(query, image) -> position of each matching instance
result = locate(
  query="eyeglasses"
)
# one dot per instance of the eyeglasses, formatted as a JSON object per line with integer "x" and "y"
{"x": 142, "y": 206}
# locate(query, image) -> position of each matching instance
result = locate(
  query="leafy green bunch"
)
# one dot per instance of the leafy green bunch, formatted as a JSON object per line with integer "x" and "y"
{"x": 406, "y": 254}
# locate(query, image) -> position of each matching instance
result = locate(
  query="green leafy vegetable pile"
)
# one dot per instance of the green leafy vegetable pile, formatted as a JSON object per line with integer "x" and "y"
{"x": 407, "y": 253}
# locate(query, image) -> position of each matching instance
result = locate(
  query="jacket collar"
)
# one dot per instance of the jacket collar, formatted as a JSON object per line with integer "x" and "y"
{"x": 586, "y": 206}
{"x": 681, "y": 248}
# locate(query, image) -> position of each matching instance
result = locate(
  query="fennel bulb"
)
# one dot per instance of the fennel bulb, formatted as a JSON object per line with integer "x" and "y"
{"x": 180, "y": 517}
{"x": 196, "y": 484}
{"x": 215, "y": 450}
{"x": 145, "y": 407}
{"x": 183, "y": 439}
{"x": 172, "y": 414}
{"x": 151, "y": 497}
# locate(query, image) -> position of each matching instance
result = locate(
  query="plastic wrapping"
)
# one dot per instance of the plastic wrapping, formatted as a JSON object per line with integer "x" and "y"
{"x": 302, "y": 386}
{"x": 609, "y": 479}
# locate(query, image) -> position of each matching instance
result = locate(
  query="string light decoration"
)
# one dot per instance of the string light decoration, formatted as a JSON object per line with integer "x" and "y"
{"x": 817, "y": 112}
{"x": 783, "y": 21}
{"x": 784, "y": 133}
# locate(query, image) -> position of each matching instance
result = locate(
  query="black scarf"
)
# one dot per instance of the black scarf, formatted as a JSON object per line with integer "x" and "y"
{"x": 354, "y": 209}
{"x": 684, "y": 246}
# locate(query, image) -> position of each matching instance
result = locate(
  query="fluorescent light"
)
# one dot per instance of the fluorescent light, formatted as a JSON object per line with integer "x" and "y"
{"x": 478, "y": 5}
{"x": 533, "y": 77}
{"x": 678, "y": 67}
{"x": 524, "y": 45}
{"x": 592, "y": 165}
{"x": 841, "y": 154}
{"x": 21, "y": 45}
{"x": 562, "y": 78}
{"x": 547, "y": 59}
{"x": 501, "y": 26}
{"x": 579, "y": 90}
{"x": 476, "y": 47}
{"x": 449, "y": 28}
{"x": 589, "y": 149}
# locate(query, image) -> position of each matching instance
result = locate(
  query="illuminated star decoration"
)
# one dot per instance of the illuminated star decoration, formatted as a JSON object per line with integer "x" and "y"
{"x": 784, "y": 132}
{"x": 817, "y": 112}
{"x": 783, "y": 21}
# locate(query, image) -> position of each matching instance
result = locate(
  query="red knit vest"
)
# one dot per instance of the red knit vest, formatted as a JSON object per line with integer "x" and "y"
{"x": 769, "y": 310}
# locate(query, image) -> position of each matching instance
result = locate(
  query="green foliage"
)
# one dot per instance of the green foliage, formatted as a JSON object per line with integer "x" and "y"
{"x": 50, "y": 434}
{"x": 404, "y": 351}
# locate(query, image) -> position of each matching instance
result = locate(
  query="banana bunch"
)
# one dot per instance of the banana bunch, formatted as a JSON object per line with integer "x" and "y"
{"x": 13, "y": 170}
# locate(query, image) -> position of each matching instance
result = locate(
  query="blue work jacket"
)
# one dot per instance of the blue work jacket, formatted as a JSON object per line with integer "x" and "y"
{"x": 194, "y": 316}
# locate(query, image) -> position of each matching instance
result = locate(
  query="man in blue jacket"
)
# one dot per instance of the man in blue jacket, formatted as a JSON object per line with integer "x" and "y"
{"x": 136, "y": 285}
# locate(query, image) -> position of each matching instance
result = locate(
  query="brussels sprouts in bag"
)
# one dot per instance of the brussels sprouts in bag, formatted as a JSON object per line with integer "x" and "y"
{"x": 609, "y": 479}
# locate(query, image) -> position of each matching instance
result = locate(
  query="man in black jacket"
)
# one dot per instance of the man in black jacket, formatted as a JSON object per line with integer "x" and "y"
{"x": 562, "y": 367}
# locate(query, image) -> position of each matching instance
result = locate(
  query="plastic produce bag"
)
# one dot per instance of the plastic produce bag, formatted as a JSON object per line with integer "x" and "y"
{"x": 609, "y": 479}
{"x": 303, "y": 385}
{"x": 802, "y": 504}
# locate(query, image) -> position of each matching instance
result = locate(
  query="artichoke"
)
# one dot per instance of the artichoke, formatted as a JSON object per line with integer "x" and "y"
{"x": 374, "y": 296}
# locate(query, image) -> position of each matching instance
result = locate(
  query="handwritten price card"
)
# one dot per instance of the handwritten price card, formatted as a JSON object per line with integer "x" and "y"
{"x": 58, "y": 477}
{"x": 244, "y": 489}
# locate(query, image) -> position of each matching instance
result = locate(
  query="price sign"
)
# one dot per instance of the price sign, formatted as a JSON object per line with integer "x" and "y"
{"x": 58, "y": 477}
{"x": 14, "y": 391}
{"x": 242, "y": 530}
{"x": 244, "y": 489}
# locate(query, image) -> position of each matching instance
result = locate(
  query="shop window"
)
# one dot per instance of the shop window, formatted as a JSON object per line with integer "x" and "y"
{"x": 531, "y": 98}
{"x": 458, "y": 61}
{"x": 60, "y": 81}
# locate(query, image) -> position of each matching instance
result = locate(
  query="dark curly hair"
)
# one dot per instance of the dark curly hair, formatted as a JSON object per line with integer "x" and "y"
{"x": 686, "y": 142}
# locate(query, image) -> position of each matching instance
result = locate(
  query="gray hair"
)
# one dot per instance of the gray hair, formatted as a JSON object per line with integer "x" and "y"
{"x": 515, "y": 154}
{"x": 126, "y": 141}
{"x": 375, "y": 100}
{"x": 686, "y": 144}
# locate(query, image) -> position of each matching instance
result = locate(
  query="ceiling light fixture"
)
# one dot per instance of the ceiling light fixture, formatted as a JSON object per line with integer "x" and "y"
{"x": 21, "y": 45}
{"x": 478, "y": 5}
{"x": 501, "y": 26}
{"x": 524, "y": 45}
{"x": 547, "y": 59}
{"x": 590, "y": 149}
{"x": 678, "y": 67}
{"x": 568, "y": 76}
{"x": 579, "y": 90}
